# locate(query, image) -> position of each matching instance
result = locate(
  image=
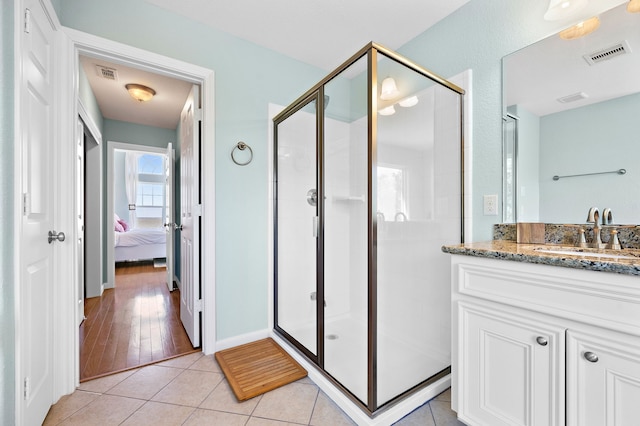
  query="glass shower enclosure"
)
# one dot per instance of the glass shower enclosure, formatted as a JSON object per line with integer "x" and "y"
{"x": 368, "y": 186}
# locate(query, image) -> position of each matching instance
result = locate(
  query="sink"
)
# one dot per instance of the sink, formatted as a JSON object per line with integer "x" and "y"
{"x": 582, "y": 253}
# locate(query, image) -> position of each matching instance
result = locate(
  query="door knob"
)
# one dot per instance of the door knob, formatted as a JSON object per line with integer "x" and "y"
{"x": 177, "y": 227}
{"x": 53, "y": 235}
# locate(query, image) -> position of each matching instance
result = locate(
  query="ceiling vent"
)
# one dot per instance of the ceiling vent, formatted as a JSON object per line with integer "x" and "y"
{"x": 108, "y": 73}
{"x": 621, "y": 48}
{"x": 572, "y": 98}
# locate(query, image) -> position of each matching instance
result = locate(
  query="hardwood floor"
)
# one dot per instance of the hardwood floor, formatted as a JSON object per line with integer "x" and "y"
{"x": 135, "y": 324}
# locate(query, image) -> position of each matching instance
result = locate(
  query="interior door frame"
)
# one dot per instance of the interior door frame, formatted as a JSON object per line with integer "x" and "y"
{"x": 113, "y": 146}
{"x": 101, "y": 48}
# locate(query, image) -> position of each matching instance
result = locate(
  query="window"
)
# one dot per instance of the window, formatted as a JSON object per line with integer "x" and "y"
{"x": 150, "y": 194}
{"x": 150, "y": 164}
{"x": 392, "y": 194}
{"x": 151, "y": 186}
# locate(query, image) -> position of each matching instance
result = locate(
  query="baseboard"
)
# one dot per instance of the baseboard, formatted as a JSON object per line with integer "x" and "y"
{"x": 177, "y": 282}
{"x": 102, "y": 287}
{"x": 241, "y": 339}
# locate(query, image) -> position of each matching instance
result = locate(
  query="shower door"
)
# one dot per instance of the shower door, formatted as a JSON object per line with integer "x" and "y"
{"x": 296, "y": 212}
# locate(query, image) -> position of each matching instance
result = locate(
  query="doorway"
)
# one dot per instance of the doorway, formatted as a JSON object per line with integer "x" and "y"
{"x": 139, "y": 224}
{"x": 84, "y": 44}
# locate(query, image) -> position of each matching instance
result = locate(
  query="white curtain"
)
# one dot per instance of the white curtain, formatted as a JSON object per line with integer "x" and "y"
{"x": 131, "y": 182}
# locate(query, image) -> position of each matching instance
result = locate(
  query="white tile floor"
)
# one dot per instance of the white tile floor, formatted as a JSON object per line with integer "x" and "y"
{"x": 191, "y": 390}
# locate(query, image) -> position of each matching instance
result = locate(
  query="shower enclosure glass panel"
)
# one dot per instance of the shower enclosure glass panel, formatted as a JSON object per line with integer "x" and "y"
{"x": 418, "y": 209}
{"x": 297, "y": 213}
{"x": 509, "y": 168}
{"x": 345, "y": 230}
{"x": 368, "y": 187}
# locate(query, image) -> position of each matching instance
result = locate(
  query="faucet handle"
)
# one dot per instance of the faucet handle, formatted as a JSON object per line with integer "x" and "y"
{"x": 613, "y": 243}
{"x": 582, "y": 241}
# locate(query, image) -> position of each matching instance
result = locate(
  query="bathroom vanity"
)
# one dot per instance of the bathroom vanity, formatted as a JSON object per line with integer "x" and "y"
{"x": 543, "y": 337}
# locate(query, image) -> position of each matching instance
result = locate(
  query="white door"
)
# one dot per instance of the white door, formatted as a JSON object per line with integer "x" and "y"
{"x": 80, "y": 219}
{"x": 190, "y": 213}
{"x": 38, "y": 168}
{"x": 168, "y": 212}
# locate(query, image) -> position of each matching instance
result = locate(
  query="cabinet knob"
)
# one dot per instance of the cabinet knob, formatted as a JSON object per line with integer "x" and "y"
{"x": 542, "y": 341}
{"x": 591, "y": 357}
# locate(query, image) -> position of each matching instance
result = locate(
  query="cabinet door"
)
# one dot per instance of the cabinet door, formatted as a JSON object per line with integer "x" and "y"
{"x": 511, "y": 368}
{"x": 603, "y": 378}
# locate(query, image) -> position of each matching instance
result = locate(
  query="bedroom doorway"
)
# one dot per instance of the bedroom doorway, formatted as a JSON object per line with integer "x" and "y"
{"x": 137, "y": 203}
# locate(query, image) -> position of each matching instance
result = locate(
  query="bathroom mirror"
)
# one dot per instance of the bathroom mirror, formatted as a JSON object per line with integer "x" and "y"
{"x": 571, "y": 133}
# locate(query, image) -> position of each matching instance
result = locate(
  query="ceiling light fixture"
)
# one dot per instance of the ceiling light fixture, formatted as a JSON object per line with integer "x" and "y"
{"x": 563, "y": 9}
{"x": 633, "y": 6}
{"x": 409, "y": 102}
{"x": 581, "y": 29}
{"x": 389, "y": 89}
{"x": 139, "y": 92}
{"x": 390, "y": 110}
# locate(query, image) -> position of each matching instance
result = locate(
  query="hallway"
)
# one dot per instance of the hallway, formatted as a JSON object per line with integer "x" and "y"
{"x": 132, "y": 325}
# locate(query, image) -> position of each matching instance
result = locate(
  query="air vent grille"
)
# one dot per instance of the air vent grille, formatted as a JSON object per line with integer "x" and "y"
{"x": 572, "y": 98}
{"x": 108, "y": 73}
{"x": 608, "y": 53}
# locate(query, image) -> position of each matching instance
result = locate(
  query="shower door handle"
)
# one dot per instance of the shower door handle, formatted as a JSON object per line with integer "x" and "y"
{"x": 312, "y": 197}
{"x": 315, "y": 227}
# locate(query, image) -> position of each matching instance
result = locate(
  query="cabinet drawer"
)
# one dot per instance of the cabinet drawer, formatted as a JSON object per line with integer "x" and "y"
{"x": 598, "y": 298}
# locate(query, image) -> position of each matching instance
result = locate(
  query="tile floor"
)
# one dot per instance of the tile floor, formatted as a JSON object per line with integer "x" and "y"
{"x": 191, "y": 390}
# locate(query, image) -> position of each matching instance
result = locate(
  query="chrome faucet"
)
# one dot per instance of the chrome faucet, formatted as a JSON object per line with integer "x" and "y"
{"x": 593, "y": 217}
{"x": 607, "y": 216}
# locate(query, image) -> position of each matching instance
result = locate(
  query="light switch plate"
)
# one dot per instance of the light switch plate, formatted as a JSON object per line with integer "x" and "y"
{"x": 490, "y": 205}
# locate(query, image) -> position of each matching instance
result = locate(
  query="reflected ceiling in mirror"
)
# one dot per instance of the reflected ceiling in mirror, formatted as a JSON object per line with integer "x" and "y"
{"x": 539, "y": 76}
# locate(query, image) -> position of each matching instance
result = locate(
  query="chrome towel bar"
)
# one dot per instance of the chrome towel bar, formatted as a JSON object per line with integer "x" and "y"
{"x": 620, "y": 172}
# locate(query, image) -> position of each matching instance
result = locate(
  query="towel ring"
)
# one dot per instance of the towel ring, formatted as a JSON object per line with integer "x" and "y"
{"x": 241, "y": 146}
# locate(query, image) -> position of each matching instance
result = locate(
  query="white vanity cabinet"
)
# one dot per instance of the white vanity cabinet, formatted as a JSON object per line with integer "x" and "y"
{"x": 544, "y": 345}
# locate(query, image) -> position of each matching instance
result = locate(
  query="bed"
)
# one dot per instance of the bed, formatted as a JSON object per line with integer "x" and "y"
{"x": 140, "y": 244}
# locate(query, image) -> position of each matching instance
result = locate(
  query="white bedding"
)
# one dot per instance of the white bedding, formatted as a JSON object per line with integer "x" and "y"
{"x": 140, "y": 237}
{"x": 140, "y": 244}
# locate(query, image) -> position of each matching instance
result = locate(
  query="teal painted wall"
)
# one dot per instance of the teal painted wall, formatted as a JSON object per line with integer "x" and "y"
{"x": 248, "y": 77}
{"x": 7, "y": 322}
{"x": 595, "y": 138}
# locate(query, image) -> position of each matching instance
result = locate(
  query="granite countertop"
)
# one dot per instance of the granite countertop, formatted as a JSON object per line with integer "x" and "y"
{"x": 598, "y": 260}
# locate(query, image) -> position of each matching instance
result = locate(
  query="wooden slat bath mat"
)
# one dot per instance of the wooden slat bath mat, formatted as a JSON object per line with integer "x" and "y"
{"x": 258, "y": 367}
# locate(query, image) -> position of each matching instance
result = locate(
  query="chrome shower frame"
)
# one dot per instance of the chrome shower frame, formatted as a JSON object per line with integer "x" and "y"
{"x": 316, "y": 93}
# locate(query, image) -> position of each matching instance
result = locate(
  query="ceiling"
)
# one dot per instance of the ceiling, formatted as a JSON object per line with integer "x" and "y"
{"x": 163, "y": 110}
{"x": 322, "y": 34}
